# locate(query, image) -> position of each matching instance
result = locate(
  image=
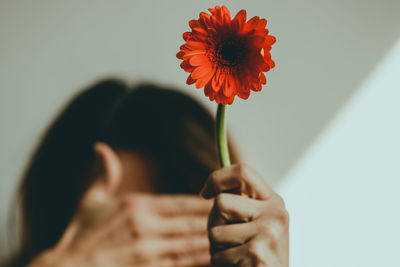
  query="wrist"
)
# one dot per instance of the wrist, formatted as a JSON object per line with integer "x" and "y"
{"x": 46, "y": 258}
{"x": 52, "y": 257}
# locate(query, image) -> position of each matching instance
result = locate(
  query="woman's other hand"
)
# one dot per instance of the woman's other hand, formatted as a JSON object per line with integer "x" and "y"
{"x": 113, "y": 229}
{"x": 248, "y": 224}
{"x": 138, "y": 230}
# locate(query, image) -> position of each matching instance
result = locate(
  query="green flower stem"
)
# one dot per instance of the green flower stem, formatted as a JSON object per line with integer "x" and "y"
{"x": 222, "y": 144}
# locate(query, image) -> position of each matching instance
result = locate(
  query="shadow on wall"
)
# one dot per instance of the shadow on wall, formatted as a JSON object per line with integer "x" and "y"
{"x": 324, "y": 52}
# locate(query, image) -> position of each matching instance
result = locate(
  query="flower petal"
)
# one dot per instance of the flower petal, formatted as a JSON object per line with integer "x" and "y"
{"x": 186, "y": 66}
{"x": 186, "y": 35}
{"x": 208, "y": 91}
{"x": 271, "y": 63}
{"x": 201, "y": 71}
{"x": 251, "y": 24}
{"x": 262, "y": 23}
{"x": 244, "y": 94}
{"x": 180, "y": 55}
{"x": 190, "y": 80}
{"x": 257, "y": 87}
{"x": 229, "y": 86}
{"x": 198, "y": 60}
{"x": 193, "y": 45}
{"x": 241, "y": 17}
{"x": 263, "y": 79}
{"x": 270, "y": 40}
{"x": 258, "y": 41}
{"x": 227, "y": 19}
{"x": 226, "y": 11}
{"x": 215, "y": 82}
{"x": 212, "y": 10}
{"x": 201, "y": 82}
{"x": 193, "y": 23}
{"x": 188, "y": 55}
{"x": 199, "y": 31}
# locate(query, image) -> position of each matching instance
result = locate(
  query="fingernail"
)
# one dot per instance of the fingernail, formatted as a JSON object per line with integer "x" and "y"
{"x": 205, "y": 192}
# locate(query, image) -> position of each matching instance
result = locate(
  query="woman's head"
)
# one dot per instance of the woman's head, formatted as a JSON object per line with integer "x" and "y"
{"x": 163, "y": 141}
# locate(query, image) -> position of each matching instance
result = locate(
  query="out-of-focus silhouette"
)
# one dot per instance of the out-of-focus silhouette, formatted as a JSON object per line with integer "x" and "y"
{"x": 159, "y": 123}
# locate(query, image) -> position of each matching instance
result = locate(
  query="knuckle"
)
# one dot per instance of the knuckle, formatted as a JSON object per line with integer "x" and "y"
{"x": 128, "y": 203}
{"x": 142, "y": 252}
{"x": 277, "y": 209}
{"x": 131, "y": 202}
{"x": 271, "y": 232}
{"x": 256, "y": 250}
{"x": 213, "y": 178}
{"x": 243, "y": 170}
{"x": 283, "y": 217}
{"x": 140, "y": 229}
{"x": 213, "y": 234}
{"x": 280, "y": 201}
{"x": 134, "y": 220}
{"x": 138, "y": 224}
{"x": 220, "y": 201}
{"x": 136, "y": 202}
{"x": 264, "y": 228}
{"x": 280, "y": 215}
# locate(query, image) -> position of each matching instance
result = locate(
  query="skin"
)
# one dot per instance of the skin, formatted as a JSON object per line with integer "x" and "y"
{"x": 249, "y": 228}
{"x": 121, "y": 222}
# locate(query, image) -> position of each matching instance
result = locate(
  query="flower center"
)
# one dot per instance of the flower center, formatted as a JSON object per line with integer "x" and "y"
{"x": 231, "y": 52}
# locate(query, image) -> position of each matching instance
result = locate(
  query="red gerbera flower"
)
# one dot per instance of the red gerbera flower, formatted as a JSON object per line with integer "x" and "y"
{"x": 227, "y": 56}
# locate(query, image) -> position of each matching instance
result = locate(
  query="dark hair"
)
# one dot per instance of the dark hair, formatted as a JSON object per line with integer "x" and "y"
{"x": 174, "y": 130}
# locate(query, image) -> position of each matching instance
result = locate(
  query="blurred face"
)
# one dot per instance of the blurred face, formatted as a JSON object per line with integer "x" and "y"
{"x": 139, "y": 174}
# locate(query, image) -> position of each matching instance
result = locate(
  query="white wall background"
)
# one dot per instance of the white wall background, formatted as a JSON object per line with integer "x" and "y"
{"x": 325, "y": 52}
{"x": 343, "y": 195}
